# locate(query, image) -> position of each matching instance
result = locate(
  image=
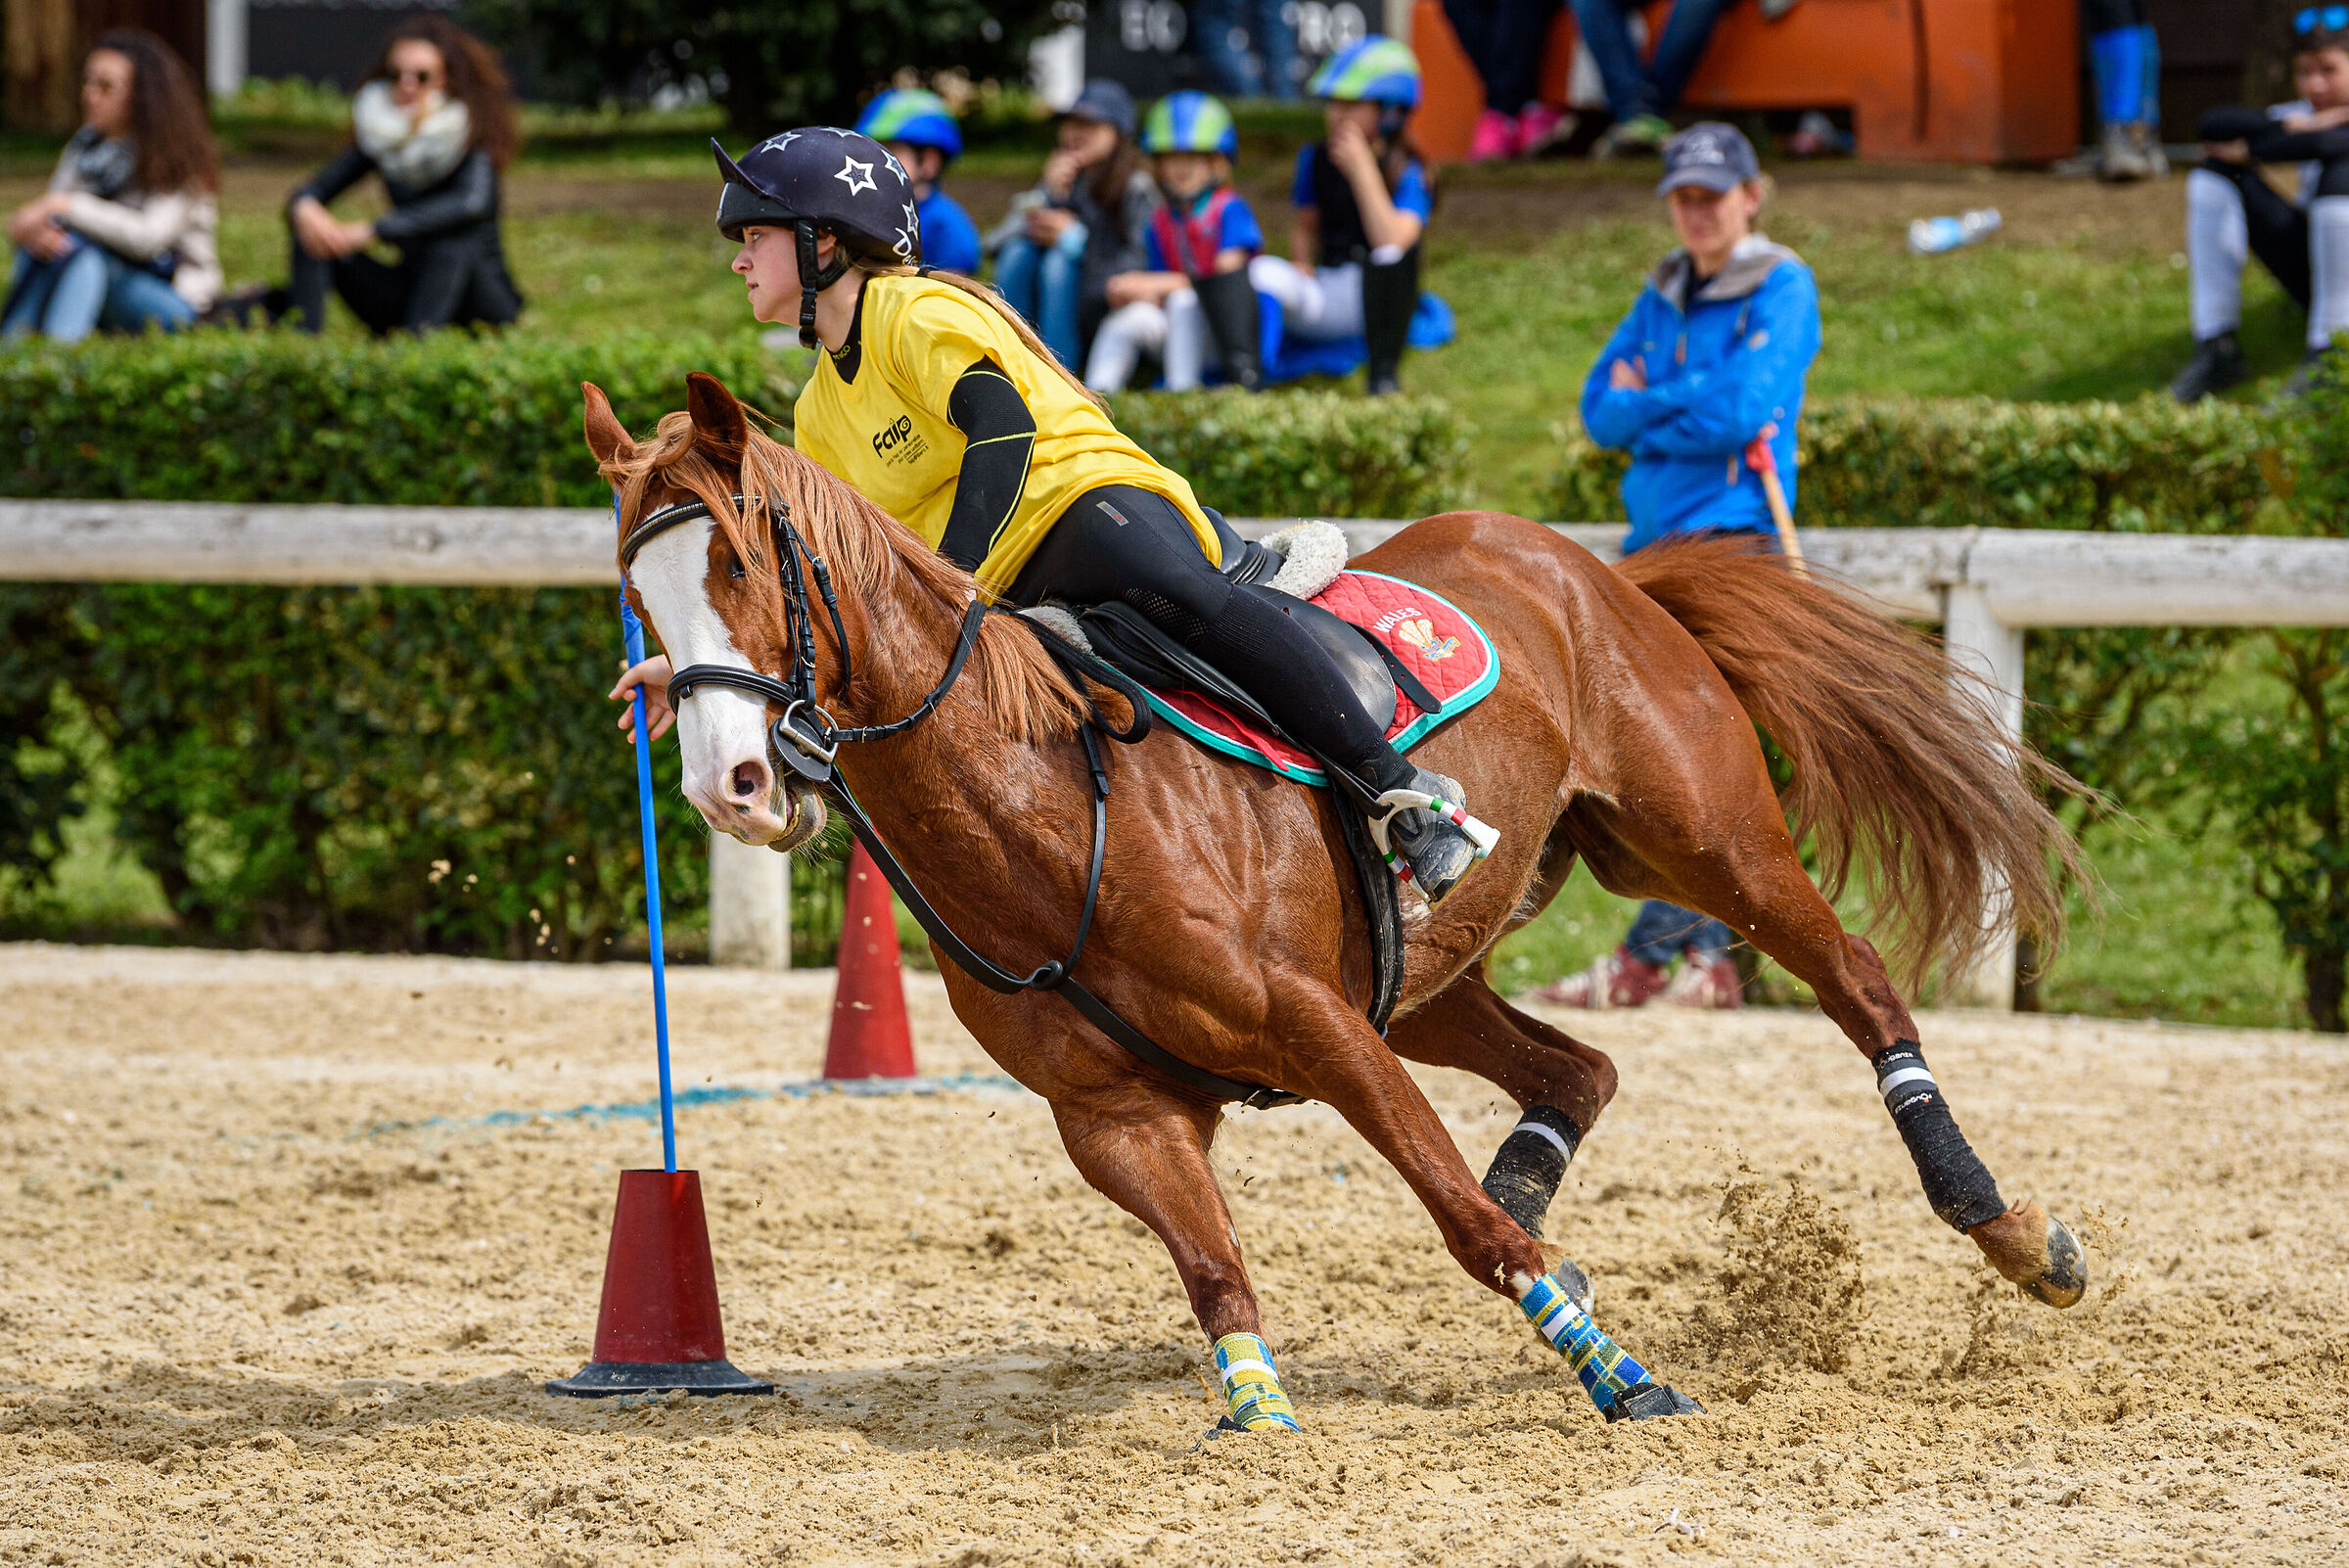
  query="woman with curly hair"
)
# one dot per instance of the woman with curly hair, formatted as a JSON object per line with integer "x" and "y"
{"x": 434, "y": 122}
{"x": 122, "y": 238}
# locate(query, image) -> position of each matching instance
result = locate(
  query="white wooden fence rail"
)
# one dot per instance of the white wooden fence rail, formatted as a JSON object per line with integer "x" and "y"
{"x": 1984, "y": 586}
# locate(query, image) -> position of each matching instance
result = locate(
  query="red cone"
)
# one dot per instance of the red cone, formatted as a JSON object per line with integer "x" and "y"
{"x": 869, "y": 1034}
{"x": 659, "y": 1327}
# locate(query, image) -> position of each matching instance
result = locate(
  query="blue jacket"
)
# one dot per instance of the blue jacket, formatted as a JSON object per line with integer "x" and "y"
{"x": 1718, "y": 368}
{"x": 949, "y": 238}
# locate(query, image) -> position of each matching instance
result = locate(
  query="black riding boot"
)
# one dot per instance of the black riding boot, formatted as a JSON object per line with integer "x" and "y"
{"x": 1229, "y": 302}
{"x": 1390, "y": 294}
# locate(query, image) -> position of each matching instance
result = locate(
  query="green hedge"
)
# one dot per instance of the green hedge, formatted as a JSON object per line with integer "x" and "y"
{"x": 2149, "y": 465}
{"x": 434, "y": 768}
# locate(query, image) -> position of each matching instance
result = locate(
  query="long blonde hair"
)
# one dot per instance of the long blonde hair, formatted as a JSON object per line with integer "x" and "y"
{"x": 996, "y": 302}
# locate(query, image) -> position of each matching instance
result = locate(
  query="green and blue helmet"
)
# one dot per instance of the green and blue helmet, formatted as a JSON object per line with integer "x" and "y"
{"x": 1377, "y": 70}
{"x": 1190, "y": 123}
{"x": 914, "y": 116}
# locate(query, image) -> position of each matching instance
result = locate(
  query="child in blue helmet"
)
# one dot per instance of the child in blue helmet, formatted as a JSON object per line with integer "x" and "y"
{"x": 920, "y": 131}
{"x": 1194, "y": 296}
{"x": 1362, "y": 203}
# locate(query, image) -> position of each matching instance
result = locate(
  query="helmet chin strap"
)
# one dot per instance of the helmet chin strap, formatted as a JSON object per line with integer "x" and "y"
{"x": 814, "y": 280}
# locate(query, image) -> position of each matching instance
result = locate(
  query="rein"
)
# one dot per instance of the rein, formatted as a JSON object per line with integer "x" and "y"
{"x": 807, "y": 745}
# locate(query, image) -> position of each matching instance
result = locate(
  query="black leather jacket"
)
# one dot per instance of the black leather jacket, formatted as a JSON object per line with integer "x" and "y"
{"x": 461, "y": 208}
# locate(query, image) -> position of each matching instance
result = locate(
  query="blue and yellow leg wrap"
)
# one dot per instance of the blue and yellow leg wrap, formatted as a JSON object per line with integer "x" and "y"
{"x": 1617, "y": 1384}
{"x": 1252, "y": 1386}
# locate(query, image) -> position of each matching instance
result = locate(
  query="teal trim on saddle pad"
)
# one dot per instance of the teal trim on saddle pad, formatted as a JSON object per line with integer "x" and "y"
{"x": 1412, "y": 734}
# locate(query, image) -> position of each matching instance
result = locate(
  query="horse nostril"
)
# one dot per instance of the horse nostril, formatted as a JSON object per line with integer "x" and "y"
{"x": 750, "y": 780}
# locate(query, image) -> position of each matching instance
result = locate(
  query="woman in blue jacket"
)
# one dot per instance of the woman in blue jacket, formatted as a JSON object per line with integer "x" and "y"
{"x": 1712, "y": 358}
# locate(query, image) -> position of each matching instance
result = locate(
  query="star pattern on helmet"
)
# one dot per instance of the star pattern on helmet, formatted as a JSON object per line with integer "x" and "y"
{"x": 895, "y": 168}
{"x": 855, "y": 176}
{"x": 778, "y": 143}
{"x": 913, "y": 220}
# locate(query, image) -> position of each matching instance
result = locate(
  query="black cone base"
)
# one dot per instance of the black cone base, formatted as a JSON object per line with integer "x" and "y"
{"x": 599, "y": 1380}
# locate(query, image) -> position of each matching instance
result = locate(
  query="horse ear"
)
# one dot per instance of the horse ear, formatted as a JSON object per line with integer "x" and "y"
{"x": 607, "y": 437}
{"x": 717, "y": 416}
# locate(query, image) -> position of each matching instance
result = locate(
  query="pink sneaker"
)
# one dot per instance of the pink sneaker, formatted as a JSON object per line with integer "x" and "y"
{"x": 1614, "y": 980}
{"x": 1539, "y": 129}
{"x": 1495, "y": 137}
{"x": 1709, "y": 982}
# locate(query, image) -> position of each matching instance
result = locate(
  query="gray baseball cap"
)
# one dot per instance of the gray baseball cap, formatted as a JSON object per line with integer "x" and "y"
{"x": 1107, "y": 101}
{"x": 1709, "y": 154}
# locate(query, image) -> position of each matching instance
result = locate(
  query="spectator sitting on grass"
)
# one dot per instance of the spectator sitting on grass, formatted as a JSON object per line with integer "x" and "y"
{"x": 435, "y": 121}
{"x": 124, "y": 237}
{"x": 920, "y": 131}
{"x": 1195, "y": 297}
{"x": 1712, "y": 358}
{"x": 1362, "y": 203}
{"x": 1639, "y": 95}
{"x": 2233, "y": 214}
{"x": 1080, "y": 226}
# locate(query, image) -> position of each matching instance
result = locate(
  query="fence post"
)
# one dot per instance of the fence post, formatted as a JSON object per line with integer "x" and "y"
{"x": 1990, "y": 649}
{"x": 750, "y": 904}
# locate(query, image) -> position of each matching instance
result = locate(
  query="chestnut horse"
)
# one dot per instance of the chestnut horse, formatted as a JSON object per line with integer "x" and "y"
{"x": 1231, "y": 927}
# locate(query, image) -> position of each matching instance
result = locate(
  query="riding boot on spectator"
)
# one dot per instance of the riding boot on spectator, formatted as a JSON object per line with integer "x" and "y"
{"x": 1390, "y": 294}
{"x": 1616, "y": 979}
{"x": 1234, "y": 321}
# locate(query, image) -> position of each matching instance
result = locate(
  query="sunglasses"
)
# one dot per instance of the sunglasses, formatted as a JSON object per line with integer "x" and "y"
{"x": 2328, "y": 18}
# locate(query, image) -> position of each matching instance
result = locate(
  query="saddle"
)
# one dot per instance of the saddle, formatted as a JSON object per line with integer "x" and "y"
{"x": 1219, "y": 712}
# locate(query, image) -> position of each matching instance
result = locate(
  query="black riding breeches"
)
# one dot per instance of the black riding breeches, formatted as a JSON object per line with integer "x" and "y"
{"x": 1131, "y": 545}
{"x": 2276, "y": 226}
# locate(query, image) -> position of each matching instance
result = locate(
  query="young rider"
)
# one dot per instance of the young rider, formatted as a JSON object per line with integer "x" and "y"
{"x": 1713, "y": 357}
{"x": 1005, "y": 463}
{"x": 919, "y": 130}
{"x": 1195, "y": 293}
{"x": 1362, "y": 203}
{"x": 2233, "y": 214}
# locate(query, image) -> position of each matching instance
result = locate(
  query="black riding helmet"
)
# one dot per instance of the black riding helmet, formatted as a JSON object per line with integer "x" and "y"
{"x": 822, "y": 178}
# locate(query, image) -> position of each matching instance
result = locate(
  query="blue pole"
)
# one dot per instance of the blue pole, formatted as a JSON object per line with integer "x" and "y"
{"x": 632, "y": 632}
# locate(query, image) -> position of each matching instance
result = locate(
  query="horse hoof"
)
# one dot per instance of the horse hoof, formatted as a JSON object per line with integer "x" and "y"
{"x": 2037, "y": 1251}
{"x": 1645, "y": 1402}
{"x": 1571, "y": 1278}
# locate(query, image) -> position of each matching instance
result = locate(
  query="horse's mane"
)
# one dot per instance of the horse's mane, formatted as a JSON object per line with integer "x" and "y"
{"x": 1026, "y": 693}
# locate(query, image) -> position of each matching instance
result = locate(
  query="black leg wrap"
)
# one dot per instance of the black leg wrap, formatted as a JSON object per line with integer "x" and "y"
{"x": 1956, "y": 1182}
{"x": 1531, "y": 1163}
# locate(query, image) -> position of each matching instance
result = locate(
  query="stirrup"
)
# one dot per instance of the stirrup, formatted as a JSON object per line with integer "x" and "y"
{"x": 1481, "y": 837}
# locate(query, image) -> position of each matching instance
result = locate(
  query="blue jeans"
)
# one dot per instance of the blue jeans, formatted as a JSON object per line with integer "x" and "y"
{"x": 88, "y": 288}
{"x": 1046, "y": 285}
{"x": 1663, "y": 931}
{"x": 1634, "y": 88}
{"x": 1266, "y": 67}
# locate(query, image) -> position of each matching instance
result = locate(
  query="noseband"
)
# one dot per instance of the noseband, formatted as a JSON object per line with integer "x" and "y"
{"x": 806, "y": 738}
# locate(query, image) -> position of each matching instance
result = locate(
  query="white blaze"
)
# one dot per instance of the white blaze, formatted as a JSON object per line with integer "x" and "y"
{"x": 720, "y": 728}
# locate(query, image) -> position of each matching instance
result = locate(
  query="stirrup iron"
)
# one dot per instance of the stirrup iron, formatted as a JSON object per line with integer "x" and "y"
{"x": 1482, "y": 836}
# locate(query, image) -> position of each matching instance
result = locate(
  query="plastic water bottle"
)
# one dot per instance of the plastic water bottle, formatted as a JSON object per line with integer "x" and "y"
{"x": 1934, "y": 235}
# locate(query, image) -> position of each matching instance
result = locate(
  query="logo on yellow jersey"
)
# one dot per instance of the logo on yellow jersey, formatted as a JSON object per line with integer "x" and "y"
{"x": 897, "y": 443}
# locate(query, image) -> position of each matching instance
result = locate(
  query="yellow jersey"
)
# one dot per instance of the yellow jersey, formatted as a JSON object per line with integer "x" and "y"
{"x": 887, "y": 432}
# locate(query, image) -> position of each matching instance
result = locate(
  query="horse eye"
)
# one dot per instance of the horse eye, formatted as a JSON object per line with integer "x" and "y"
{"x": 734, "y": 569}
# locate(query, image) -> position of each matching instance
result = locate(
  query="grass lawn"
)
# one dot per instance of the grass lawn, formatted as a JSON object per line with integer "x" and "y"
{"x": 2083, "y": 295}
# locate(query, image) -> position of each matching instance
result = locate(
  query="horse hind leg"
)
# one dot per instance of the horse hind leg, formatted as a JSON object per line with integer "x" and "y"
{"x": 1559, "y": 1083}
{"x": 1361, "y": 1077}
{"x": 1755, "y": 882}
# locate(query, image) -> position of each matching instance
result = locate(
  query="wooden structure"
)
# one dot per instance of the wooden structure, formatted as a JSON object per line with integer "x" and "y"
{"x": 1948, "y": 81}
{"x": 44, "y": 42}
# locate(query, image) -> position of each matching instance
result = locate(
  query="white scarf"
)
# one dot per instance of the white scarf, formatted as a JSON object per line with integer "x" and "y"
{"x": 414, "y": 157}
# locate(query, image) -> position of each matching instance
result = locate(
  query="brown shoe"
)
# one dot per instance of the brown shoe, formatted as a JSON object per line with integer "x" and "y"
{"x": 1613, "y": 980}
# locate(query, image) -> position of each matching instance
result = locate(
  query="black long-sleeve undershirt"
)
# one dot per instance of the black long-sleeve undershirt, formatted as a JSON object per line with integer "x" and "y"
{"x": 1000, "y": 436}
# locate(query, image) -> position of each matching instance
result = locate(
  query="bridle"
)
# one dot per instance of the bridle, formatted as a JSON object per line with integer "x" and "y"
{"x": 806, "y": 738}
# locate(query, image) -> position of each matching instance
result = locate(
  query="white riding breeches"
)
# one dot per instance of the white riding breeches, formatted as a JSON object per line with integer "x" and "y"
{"x": 1175, "y": 330}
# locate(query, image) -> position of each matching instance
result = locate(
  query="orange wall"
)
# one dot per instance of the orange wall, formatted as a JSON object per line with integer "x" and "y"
{"x": 1968, "y": 81}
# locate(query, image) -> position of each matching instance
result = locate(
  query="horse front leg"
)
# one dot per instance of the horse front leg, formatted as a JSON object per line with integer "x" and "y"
{"x": 1339, "y": 1058}
{"x": 1146, "y": 1150}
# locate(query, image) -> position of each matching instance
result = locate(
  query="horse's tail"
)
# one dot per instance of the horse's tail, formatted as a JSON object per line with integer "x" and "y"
{"x": 1893, "y": 764}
